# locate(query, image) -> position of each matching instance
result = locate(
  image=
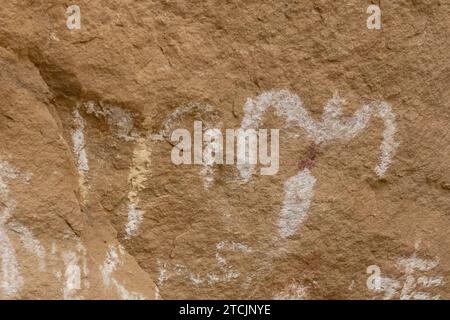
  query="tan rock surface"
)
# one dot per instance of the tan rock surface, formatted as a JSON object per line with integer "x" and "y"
{"x": 92, "y": 206}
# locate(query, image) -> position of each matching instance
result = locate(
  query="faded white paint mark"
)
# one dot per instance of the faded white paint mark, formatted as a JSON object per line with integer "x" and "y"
{"x": 162, "y": 273}
{"x": 76, "y": 273}
{"x": 409, "y": 266}
{"x": 389, "y": 144}
{"x": 208, "y": 175}
{"x": 11, "y": 281}
{"x": 157, "y": 137}
{"x": 430, "y": 281}
{"x": 83, "y": 253}
{"x": 389, "y": 286}
{"x": 72, "y": 276}
{"x": 124, "y": 294}
{"x": 120, "y": 120}
{"x": 135, "y": 217}
{"x": 122, "y": 123}
{"x": 183, "y": 270}
{"x": 233, "y": 246}
{"x": 188, "y": 109}
{"x": 53, "y": 36}
{"x": 208, "y": 116}
{"x": 162, "y": 277}
{"x": 298, "y": 193}
{"x": 79, "y": 142}
{"x": 139, "y": 172}
{"x": 79, "y": 148}
{"x": 30, "y": 243}
{"x": 111, "y": 263}
{"x": 58, "y": 275}
{"x": 351, "y": 286}
{"x": 226, "y": 274}
{"x": 410, "y": 285}
{"x": 7, "y": 173}
{"x": 53, "y": 249}
{"x": 293, "y": 291}
{"x": 331, "y": 127}
{"x": 213, "y": 142}
{"x": 195, "y": 279}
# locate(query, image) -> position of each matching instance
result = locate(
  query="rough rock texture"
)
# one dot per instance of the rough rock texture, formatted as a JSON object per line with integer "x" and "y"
{"x": 92, "y": 206}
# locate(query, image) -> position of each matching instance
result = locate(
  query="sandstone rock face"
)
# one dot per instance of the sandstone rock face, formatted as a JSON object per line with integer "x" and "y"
{"x": 93, "y": 207}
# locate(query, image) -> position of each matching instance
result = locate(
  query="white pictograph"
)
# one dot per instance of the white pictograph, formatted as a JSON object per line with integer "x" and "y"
{"x": 112, "y": 262}
{"x": 10, "y": 275}
{"x": 226, "y": 272}
{"x": 418, "y": 275}
{"x": 299, "y": 190}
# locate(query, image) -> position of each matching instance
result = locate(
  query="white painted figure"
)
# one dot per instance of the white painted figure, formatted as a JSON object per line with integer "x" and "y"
{"x": 299, "y": 190}
{"x": 74, "y": 17}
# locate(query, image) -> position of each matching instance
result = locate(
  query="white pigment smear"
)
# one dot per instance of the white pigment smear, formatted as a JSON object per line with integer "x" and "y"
{"x": 298, "y": 193}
